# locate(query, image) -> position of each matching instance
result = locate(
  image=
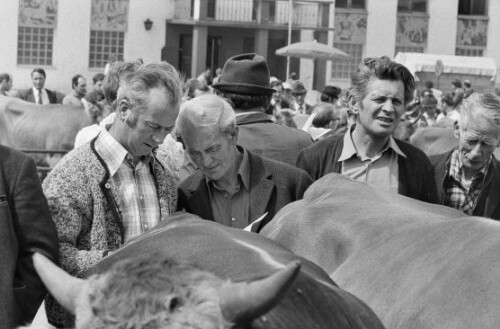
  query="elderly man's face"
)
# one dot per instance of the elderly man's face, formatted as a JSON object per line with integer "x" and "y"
{"x": 152, "y": 126}
{"x": 213, "y": 152}
{"x": 476, "y": 145}
{"x": 381, "y": 109}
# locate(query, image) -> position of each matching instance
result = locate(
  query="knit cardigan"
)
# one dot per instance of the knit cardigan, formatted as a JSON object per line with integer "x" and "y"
{"x": 86, "y": 209}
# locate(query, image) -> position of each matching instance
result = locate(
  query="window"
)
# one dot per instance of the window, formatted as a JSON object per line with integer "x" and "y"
{"x": 104, "y": 45}
{"x": 469, "y": 51}
{"x": 350, "y": 4}
{"x": 472, "y": 7}
{"x": 35, "y": 33}
{"x": 342, "y": 69}
{"x": 107, "y": 31}
{"x": 410, "y": 6}
{"x": 34, "y": 45}
{"x": 409, "y": 49}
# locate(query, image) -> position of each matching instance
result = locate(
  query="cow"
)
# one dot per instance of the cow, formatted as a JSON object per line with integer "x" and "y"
{"x": 25, "y": 125}
{"x": 417, "y": 265}
{"x": 218, "y": 254}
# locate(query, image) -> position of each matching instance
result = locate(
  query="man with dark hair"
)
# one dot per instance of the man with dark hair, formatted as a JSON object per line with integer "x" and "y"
{"x": 299, "y": 105}
{"x": 379, "y": 93}
{"x": 245, "y": 82}
{"x": 117, "y": 186}
{"x": 79, "y": 85}
{"x": 96, "y": 95}
{"x": 25, "y": 227}
{"x": 5, "y": 83}
{"x": 38, "y": 94}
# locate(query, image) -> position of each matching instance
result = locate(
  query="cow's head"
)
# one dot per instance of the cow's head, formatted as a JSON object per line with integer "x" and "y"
{"x": 154, "y": 292}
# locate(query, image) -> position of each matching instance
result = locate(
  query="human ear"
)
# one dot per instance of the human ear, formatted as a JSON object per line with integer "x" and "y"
{"x": 456, "y": 129}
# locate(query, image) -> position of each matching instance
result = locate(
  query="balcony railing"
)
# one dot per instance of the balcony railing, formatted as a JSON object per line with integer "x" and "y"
{"x": 306, "y": 14}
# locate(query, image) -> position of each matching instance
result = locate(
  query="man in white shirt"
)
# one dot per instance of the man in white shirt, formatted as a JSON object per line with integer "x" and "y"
{"x": 38, "y": 94}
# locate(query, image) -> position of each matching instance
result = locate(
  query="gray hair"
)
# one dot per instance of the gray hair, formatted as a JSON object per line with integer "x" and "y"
{"x": 206, "y": 111}
{"x": 137, "y": 84}
{"x": 481, "y": 111}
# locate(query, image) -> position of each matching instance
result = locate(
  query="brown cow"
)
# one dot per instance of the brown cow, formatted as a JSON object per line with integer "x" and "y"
{"x": 417, "y": 265}
{"x": 25, "y": 125}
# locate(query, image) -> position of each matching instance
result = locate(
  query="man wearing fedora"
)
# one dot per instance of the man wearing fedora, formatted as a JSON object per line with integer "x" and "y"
{"x": 330, "y": 94}
{"x": 299, "y": 105}
{"x": 245, "y": 82}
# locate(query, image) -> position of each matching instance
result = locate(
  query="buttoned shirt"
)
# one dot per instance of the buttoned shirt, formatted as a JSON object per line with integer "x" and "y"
{"x": 460, "y": 193}
{"x": 135, "y": 185}
{"x": 380, "y": 171}
{"x": 232, "y": 208}
{"x": 43, "y": 93}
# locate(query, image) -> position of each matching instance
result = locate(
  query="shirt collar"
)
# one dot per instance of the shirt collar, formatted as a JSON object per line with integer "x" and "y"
{"x": 349, "y": 150}
{"x": 113, "y": 153}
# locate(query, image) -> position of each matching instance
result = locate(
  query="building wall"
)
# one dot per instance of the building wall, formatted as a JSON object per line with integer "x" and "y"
{"x": 72, "y": 39}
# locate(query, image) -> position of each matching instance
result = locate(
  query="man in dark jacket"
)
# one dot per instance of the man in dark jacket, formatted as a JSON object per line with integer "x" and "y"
{"x": 25, "y": 227}
{"x": 232, "y": 186}
{"x": 245, "y": 82}
{"x": 468, "y": 176}
{"x": 38, "y": 94}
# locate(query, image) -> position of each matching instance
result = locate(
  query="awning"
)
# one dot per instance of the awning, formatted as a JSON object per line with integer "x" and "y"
{"x": 418, "y": 62}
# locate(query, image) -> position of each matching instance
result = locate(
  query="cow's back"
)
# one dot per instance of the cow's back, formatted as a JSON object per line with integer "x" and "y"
{"x": 416, "y": 265}
{"x": 313, "y": 302}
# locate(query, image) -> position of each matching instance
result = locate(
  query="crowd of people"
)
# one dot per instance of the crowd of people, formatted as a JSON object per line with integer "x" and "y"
{"x": 216, "y": 149}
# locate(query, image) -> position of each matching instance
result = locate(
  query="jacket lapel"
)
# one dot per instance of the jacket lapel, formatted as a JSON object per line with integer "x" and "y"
{"x": 492, "y": 203}
{"x": 166, "y": 189}
{"x": 199, "y": 201}
{"x": 261, "y": 188}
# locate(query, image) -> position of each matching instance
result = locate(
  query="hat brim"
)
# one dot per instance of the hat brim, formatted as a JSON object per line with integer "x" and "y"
{"x": 242, "y": 88}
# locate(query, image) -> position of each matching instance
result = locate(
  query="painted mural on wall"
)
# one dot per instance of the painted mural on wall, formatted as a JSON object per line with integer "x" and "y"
{"x": 472, "y": 32}
{"x": 412, "y": 30}
{"x": 38, "y": 13}
{"x": 109, "y": 15}
{"x": 350, "y": 27}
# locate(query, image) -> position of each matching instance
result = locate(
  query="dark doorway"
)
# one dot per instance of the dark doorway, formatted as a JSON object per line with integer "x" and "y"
{"x": 277, "y": 64}
{"x": 185, "y": 54}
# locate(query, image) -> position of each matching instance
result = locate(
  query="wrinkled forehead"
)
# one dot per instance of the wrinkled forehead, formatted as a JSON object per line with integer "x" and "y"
{"x": 489, "y": 134}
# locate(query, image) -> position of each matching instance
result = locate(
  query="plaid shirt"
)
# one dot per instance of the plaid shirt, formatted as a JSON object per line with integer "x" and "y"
{"x": 458, "y": 193}
{"x": 135, "y": 185}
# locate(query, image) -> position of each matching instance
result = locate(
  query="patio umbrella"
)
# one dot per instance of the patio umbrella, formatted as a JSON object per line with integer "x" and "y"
{"x": 312, "y": 50}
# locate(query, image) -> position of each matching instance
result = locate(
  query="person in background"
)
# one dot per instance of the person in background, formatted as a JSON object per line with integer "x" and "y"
{"x": 38, "y": 94}
{"x": 458, "y": 92}
{"x": 233, "y": 186}
{"x": 26, "y": 227}
{"x": 96, "y": 95}
{"x": 367, "y": 152}
{"x": 79, "y": 85}
{"x": 6, "y": 82}
{"x": 194, "y": 88}
{"x": 245, "y": 83}
{"x": 468, "y": 176}
{"x": 468, "y": 88}
{"x": 428, "y": 107}
{"x": 206, "y": 77}
{"x": 331, "y": 94}
{"x": 277, "y": 102}
{"x": 218, "y": 73}
{"x": 299, "y": 105}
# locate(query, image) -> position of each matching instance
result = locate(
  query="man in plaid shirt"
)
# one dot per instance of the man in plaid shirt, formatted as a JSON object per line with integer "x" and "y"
{"x": 118, "y": 185}
{"x": 468, "y": 176}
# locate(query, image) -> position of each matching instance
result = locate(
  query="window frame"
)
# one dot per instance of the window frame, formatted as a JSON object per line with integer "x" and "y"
{"x": 349, "y": 6}
{"x": 29, "y": 55}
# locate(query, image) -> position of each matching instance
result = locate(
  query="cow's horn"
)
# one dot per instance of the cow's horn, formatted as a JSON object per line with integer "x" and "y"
{"x": 242, "y": 302}
{"x": 63, "y": 287}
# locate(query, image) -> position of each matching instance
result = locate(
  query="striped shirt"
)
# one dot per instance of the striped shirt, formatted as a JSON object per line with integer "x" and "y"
{"x": 135, "y": 185}
{"x": 460, "y": 193}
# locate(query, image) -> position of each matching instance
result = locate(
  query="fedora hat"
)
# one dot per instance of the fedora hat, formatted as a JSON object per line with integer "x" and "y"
{"x": 246, "y": 74}
{"x": 332, "y": 91}
{"x": 298, "y": 87}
